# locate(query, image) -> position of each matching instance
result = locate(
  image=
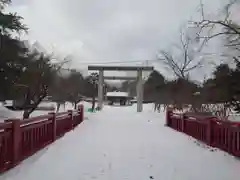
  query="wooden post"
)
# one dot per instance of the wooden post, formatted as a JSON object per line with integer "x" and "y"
{"x": 139, "y": 90}
{"x": 168, "y": 113}
{"x": 209, "y": 132}
{"x": 183, "y": 122}
{"x": 16, "y": 140}
{"x": 81, "y": 112}
{"x": 54, "y": 125}
{"x": 230, "y": 139}
{"x": 70, "y": 113}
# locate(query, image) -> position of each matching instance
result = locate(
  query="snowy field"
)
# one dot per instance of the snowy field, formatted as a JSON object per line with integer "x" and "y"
{"x": 8, "y": 114}
{"x": 118, "y": 143}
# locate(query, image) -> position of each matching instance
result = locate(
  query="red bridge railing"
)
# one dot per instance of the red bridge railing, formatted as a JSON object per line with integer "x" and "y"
{"x": 20, "y": 139}
{"x": 208, "y": 129}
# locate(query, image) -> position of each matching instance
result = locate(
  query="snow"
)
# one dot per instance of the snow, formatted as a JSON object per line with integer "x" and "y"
{"x": 5, "y": 113}
{"x": 117, "y": 94}
{"x": 118, "y": 143}
{"x": 86, "y": 105}
{"x": 234, "y": 117}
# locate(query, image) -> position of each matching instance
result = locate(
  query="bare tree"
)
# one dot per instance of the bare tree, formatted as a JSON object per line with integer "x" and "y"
{"x": 185, "y": 56}
{"x": 222, "y": 27}
{"x": 36, "y": 79}
{"x": 57, "y": 92}
{"x": 75, "y": 88}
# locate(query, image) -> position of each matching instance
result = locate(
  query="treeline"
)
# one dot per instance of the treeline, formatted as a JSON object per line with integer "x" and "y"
{"x": 28, "y": 75}
{"x": 222, "y": 88}
{"x": 190, "y": 54}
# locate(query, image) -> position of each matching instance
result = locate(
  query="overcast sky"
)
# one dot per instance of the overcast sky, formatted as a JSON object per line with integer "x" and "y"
{"x": 107, "y": 30}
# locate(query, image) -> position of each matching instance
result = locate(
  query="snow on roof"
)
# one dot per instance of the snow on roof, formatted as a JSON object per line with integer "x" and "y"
{"x": 117, "y": 94}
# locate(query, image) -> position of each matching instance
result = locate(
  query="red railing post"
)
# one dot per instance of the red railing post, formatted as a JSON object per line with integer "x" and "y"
{"x": 81, "y": 112}
{"x": 16, "y": 140}
{"x": 229, "y": 140}
{"x": 168, "y": 116}
{"x": 70, "y": 113}
{"x": 209, "y": 132}
{"x": 183, "y": 122}
{"x": 54, "y": 125}
{"x": 237, "y": 142}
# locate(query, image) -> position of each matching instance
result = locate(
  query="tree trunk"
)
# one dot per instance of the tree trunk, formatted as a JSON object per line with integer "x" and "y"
{"x": 64, "y": 106}
{"x": 26, "y": 114}
{"x": 58, "y": 106}
{"x": 155, "y": 106}
{"x": 93, "y": 103}
{"x": 75, "y": 105}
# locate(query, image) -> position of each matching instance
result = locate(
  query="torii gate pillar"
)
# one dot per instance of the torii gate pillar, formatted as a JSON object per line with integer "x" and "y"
{"x": 100, "y": 90}
{"x": 139, "y": 90}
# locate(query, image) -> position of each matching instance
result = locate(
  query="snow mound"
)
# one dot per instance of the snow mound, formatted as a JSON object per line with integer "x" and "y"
{"x": 5, "y": 113}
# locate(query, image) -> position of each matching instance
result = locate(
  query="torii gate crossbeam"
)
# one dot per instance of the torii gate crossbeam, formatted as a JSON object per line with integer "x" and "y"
{"x": 119, "y": 78}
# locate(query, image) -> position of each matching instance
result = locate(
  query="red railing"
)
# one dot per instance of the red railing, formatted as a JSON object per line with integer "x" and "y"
{"x": 208, "y": 129}
{"x": 20, "y": 139}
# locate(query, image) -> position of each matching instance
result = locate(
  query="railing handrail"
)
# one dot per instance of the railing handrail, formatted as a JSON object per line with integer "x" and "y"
{"x": 202, "y": 118}
{"x": 36, "y": 119}
{"x": 4, "y": 125}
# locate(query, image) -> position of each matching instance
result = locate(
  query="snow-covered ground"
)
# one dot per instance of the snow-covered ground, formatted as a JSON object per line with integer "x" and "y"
{"x": 234, "y": 117}
{"x": 118, "y": 143}
{"x": 8, "y": 114}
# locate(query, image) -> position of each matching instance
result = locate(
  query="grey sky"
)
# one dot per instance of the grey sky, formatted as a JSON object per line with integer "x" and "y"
{"x": 107, "y": 30}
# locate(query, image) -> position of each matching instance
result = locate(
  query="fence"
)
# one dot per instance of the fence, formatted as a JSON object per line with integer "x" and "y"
{"x": 21, "y": 139}
{"x": 208, "y": 129}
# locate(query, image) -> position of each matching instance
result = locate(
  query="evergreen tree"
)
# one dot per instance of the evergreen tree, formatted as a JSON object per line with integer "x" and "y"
{"x": 12, "y": 50}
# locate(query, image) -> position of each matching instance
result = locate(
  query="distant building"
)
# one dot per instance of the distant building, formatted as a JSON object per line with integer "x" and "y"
{"x": 122, "y": 98}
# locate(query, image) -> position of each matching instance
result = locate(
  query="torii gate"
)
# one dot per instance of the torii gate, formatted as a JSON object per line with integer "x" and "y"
{"x": 139, "y": 87}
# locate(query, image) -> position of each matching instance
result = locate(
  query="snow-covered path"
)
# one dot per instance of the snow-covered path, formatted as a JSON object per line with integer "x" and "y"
{"x": 118, "y": 144}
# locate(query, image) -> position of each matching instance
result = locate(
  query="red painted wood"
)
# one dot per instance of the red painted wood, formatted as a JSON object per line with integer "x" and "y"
{"x": 208, "y": 129}
{"x": 16, "y": 135}
{"x": 54, "y": 125}
{"x": 6, "y": 146}
{"x": 21, "y": 139}
{"x": 81, "y": 112}
{"x": 70, "y": 114}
